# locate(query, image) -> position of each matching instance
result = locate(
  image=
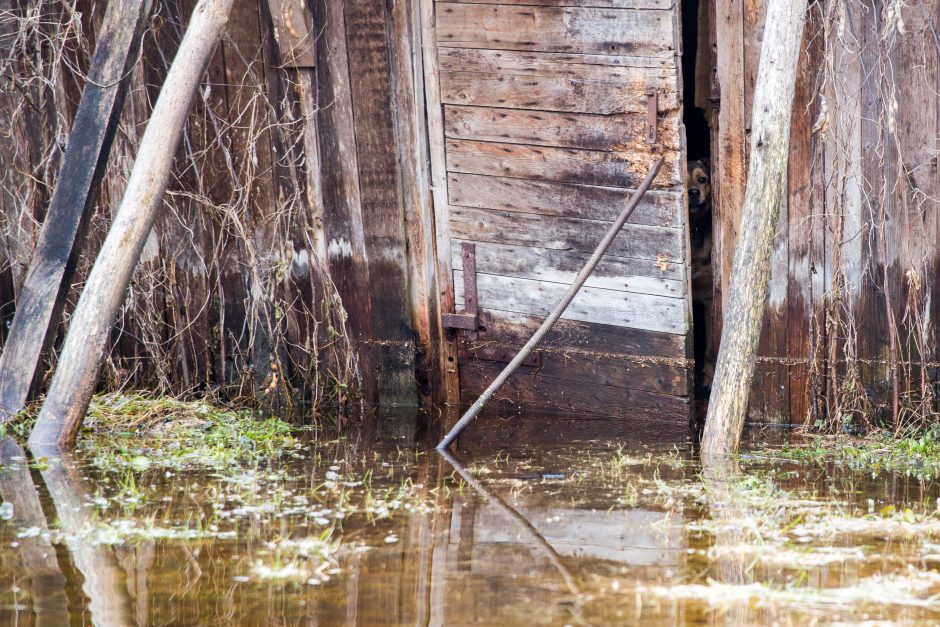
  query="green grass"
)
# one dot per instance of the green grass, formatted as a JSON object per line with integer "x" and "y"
{"x": 138, "y": 431}
{"x": 916, "y": 453}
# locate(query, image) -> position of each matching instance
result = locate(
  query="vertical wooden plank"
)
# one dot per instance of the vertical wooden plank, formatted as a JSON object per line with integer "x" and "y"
{"x": 728, "y": 149}
{"x": 874, "y": 274}
{"x": 769, "y": 393}
{"x": 380, "y": 187}
{"x": 917, "y": 190}
{"x": 251, "y": 138}
{"x": 407, "y": 67}
{"x": 800, "y": 201}
{"x": 444, "y": 271}
{"x": 49, "y": 278}
{"x": 732, "y": 124}
{"x": 339, "y": 167}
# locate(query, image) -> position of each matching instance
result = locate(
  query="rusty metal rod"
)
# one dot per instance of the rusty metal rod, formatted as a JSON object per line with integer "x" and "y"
{"x": 553, "y": 317}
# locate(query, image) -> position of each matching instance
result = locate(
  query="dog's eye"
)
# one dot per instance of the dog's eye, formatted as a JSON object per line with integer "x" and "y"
{"x": 702, "y": 180}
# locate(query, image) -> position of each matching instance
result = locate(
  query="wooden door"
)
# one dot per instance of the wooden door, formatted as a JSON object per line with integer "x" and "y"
{"x": 539, "y": 111}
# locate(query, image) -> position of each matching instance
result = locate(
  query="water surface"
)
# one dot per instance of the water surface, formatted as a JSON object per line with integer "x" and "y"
{"x": 339, "y": 533}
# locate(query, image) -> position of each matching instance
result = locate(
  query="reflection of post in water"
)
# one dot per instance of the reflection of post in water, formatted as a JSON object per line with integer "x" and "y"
{"x": 523, "y": 522}
{"x": 36, "y": 554}
{"x": 721, "y": 477}
{"x": 104, "y": 581}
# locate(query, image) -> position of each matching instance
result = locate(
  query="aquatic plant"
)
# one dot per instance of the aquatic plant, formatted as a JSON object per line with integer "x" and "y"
{"x": 915, "y": 453}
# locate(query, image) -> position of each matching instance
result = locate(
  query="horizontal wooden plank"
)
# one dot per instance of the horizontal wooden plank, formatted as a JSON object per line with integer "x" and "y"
{"x": 556, "y": 29}
{"x": 504, "y": 423}
{"x": 558, "y": 266}
{"x": 592, "y": 67}
{"x": 585, "y": 338}
{"x": 658, "y": 245}
{"x": 536, "y": 390}
{"x": 566, "y": 165}
{"x": 658, "y": 208}
{"x": 625, "y": 309}
{"x": 594, "y": 370}
{"x": 617, "y": 132}
{"x": 572, "y": 83}
{"x": 607, "y": 4}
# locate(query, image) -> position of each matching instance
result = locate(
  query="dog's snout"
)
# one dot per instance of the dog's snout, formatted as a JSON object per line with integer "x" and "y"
{"x": 694, "y": 193}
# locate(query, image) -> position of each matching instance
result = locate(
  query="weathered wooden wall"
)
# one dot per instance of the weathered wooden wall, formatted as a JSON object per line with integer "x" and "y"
{"x": 299, "y": 171}
{"x": 853, "y": 310}
{"x": 539, "y": 112}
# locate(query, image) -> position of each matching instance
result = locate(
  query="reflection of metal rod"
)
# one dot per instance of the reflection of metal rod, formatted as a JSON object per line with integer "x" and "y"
{"x": 504, "y": 507}
{"x": 556, "y": 313}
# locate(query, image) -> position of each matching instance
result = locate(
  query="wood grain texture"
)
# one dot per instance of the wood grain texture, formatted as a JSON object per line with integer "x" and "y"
{"x": 383, "y": 217}
{"x": 438, "y": 172}
{"x": 538, "y": 391}
{"x": 802, "y": 186}
{"x": 770, "y": 393}
{"x": 343, "y": 228}
{"x": 557, "y": 266}
{"x": 84, "y": 349}
{"x": 581, "y": 337}
{"x": 728, "y": 151}
{"x": 766, "y": 183}
{"x": 537, "y": 298}
{"x": 42, "y": 296}
{"x": 555, "y": 29}
{"x": 660, "y": 246}
{"x": 292, "y": 23}
{"x": 554, "y": 82}
{"x": 565, "y": 165}
{"x": 591, "y": 369}
{"x": 565, "y": 130}
{"x": 658, "y": 208}
{"x": 406, "y": 58}
{"x": 544, "y": 426}
{"x": 605, "y": 4}
{"x": 545, "y": 120}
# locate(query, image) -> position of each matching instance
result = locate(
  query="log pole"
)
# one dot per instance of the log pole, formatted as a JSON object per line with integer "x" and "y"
{"x": 42, "y": 298}
{"x": 750, "y": 269}
{"x": 87, "y": 340}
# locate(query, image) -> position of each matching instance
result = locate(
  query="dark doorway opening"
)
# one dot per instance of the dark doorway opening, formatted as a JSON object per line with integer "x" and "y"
{"x": 696, "y": 82}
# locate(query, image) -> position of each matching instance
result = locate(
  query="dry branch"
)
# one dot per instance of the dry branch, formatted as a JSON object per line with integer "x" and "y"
{"x": 99, "y": 306}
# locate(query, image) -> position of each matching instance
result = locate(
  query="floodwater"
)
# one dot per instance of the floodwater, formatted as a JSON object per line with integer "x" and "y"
{"x": 590, "y": 533}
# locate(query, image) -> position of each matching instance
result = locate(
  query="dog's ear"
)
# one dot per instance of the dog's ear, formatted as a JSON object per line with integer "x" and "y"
{"x": 708, "y": 162}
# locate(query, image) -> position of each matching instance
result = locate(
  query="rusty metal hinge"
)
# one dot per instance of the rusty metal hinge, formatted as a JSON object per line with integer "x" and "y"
{"x": 652, "y": 108}
{"x": 466, "y": 320}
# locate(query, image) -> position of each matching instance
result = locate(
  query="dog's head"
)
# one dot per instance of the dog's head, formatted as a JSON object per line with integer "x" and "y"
{"x": 700, "y": 185}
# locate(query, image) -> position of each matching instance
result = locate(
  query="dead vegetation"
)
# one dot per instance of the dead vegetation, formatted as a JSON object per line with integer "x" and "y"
{"x": 231, "y": 297}
{"x": 873, "y": 361}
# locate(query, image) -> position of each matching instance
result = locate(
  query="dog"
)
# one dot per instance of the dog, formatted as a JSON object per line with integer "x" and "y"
{"x": 699, "y": 190}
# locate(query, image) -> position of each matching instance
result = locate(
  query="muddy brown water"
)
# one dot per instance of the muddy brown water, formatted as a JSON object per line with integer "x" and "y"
{"x": 337, "y": 533}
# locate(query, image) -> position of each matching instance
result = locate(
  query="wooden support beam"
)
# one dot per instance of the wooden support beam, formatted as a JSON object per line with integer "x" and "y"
{"x": 383, "y": 217}
{"x": 447, "y": 349}
{"x": 750, "y": 273}
{"x": 105, "y": 290}
{"x": 42, "y": 298}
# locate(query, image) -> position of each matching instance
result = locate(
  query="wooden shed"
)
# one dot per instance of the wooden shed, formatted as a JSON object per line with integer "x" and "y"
{"x": 422, "y": 179}
{"x": 538, "y": 122}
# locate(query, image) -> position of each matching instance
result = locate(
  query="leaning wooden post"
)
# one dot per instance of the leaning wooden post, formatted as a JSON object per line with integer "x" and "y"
{"x": 39, "y": 305}
{"x": 750, "y": 270}
{"x": 87, "y": 341}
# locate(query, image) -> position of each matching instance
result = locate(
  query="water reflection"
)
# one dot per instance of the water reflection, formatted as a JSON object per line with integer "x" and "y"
{"x": 593, "y": 533}
{"x": 34, "y": 558}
